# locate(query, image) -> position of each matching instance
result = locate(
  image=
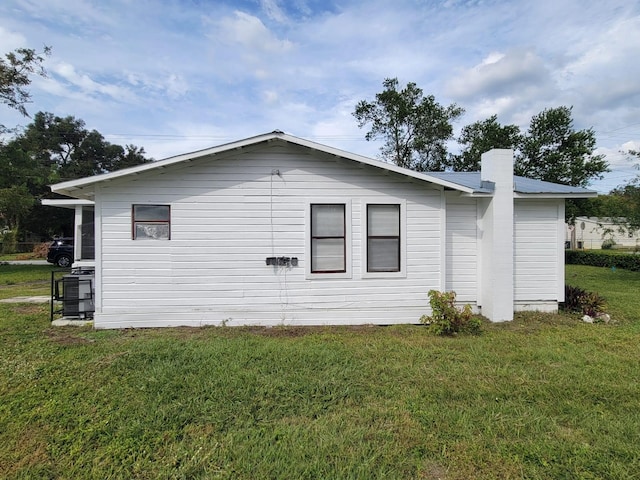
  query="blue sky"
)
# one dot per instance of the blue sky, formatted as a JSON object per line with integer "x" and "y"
{"x": 177, "y": 76}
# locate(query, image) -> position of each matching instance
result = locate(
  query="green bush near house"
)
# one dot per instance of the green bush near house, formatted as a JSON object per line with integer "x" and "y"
{"x": 447, "y": 318}
{"x": 578, "y": 300}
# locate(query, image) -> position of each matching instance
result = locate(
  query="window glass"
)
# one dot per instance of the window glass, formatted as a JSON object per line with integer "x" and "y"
{"x": 383, "y": 238}
{"x": 328, "y": 238}
{"x": 327, "y": 220}
{"x": 151, "y": 221}
{"x": 151, "y": 213}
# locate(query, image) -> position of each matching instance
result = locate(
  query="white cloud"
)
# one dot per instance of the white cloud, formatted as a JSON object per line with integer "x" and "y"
{"x": 249, "y": 33}
{"x": 87, "y": 85}
{"x": 273, "y": 10}
{"x": 499, "y": 74}
{"x": 11, "y": 40}
{"x": 72, "y": 13}
{"x": 601, "y": 73}
{"x": 270, "y": 96}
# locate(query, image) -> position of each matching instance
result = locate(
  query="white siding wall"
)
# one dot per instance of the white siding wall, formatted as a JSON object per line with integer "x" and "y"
{"x": 228, "y": 215}
{"x": 462, "y": 247}
{"x": 539, "y": 253}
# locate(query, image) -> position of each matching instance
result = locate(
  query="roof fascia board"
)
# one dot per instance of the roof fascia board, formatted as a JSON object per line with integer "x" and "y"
{"x": 477, "y": 194}
{"x": 64, "y": 202}
{"x": 556, "y": 195}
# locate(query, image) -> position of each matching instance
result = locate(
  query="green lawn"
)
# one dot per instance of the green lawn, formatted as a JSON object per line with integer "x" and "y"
{"x": 545, "y": 396}
{"x": 25, "y": 280}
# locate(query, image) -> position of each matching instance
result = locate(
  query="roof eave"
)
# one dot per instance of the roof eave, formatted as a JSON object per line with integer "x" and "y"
{"x": 66, "y": 202}
{"x": 555, "y": 195}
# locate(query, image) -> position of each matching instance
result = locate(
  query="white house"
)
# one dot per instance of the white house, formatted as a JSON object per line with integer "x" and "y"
{"x": 275, "y": 229}
{"x": 590, "y": 232}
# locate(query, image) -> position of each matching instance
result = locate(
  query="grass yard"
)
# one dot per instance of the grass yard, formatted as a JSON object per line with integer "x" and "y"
{"x": 545, "y": 396}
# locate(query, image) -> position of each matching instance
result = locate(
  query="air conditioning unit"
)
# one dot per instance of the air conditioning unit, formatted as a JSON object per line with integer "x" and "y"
{"x": 76, "y": 292}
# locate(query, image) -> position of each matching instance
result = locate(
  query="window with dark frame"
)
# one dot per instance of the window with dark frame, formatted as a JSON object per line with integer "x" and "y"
{"x": 151, "y": 222}
{"x": 328, "y": 238}
{"x": 383, "y": 238}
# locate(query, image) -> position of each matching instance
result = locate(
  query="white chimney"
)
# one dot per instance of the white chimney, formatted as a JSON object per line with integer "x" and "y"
{"x": 497, "y": 269}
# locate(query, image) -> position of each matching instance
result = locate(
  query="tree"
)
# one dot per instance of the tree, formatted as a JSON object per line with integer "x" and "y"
{"x": 72, "y": 151}
{"x": 552, "y": 150}
{"x": 53, "y": 149}
{"x": 16, "y": 70}
{"x": 480, "y": 137}
{"x": 415, "y": 128}
{"x": 15, "y": 203}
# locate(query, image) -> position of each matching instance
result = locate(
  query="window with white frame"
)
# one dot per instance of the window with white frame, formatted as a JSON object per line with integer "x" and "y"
{"x": 328, "y": 238}
{"x": 151, "y": 222}
{"x": 383, "y": 238}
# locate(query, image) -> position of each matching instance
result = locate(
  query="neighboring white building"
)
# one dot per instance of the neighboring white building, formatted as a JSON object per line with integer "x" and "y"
{"x": 590, "y": 232}
{"x": 276, "y": 229}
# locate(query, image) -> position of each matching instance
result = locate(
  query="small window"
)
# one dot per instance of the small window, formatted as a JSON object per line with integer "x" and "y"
{"x": 328, "y": 244}
{"x": 151, "y": 221}
{"x": 383, "y": 238}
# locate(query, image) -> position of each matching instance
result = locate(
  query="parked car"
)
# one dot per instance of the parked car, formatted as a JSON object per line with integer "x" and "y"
{"x": 61, "y": 252}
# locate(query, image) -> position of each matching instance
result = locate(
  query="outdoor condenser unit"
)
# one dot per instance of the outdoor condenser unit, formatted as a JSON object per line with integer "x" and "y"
{"x": 76, "y": 294}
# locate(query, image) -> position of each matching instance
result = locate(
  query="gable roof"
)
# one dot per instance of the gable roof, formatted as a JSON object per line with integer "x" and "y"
{"x": 465, "y": 183}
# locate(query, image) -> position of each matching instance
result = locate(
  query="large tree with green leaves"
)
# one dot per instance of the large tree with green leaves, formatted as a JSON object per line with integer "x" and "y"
{"x": 414, "y": 127}
{"x": 551, "y": 149}
{"x": 49, "y": 150}
{"x": 554, "y": 151}
{"x": 16, "y": 70}
{"x": 480, "y": 137}
{"x": 72, "y": 151}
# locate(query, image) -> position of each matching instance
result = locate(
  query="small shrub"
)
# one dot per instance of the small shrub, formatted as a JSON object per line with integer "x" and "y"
{"x": 578, "y": 300}
{"x": 608, "y": 244}
{"x": 446, "y": 318}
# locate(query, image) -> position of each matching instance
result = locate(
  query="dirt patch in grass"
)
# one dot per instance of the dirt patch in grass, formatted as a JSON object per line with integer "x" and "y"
{"x": 434, "y": 472}
{"x": 27, "y": 309}
{"x": 12, "y": 284}
{"x": 301, "y": 331}
{"x": 62, "y": 337}
{"x": 34, "y": 453}
{"x": 280, "y": 331}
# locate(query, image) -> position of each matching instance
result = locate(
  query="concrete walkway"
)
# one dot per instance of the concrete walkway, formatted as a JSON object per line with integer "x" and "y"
{"x": 34, "y": 299}
{"x": 25, "y": 262}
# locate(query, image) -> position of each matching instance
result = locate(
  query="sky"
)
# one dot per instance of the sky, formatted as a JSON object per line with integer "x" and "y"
{"x": 175, "y": 76}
